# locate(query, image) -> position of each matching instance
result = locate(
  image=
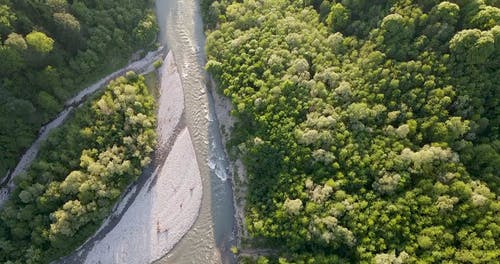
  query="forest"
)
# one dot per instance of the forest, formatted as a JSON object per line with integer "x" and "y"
{"x": 369, "y": 129}
{"x": 51, "y": 49}
{"x": 79, "y": 174}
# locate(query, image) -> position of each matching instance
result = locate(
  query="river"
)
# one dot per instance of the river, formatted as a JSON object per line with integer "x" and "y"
{"x": 209, "y": 241}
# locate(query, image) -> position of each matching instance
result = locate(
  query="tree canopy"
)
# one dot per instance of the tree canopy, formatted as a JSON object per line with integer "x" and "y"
{"x": 39, "y": 42}
{"x": 51, "y": 49}
{"x": 79, "y": 174}
{"x": 369, "y": 129}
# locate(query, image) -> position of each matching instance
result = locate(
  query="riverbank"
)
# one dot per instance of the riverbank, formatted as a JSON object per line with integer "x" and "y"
{"x": 163, "y": 211}
{"x": 223, "y": 108}
{"x": 164, "y": 203}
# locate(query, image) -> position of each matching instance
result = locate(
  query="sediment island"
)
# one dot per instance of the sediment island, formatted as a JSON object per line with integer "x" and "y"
{"x": 161, "y": 207}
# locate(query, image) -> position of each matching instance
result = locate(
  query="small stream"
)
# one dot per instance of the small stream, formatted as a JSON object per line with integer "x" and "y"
{"x": 213, "y": 234}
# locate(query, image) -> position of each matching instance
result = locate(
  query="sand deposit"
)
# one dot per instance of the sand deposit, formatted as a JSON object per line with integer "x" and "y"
{"x": 164, "y": 210}
{"x": 161, "y": 207}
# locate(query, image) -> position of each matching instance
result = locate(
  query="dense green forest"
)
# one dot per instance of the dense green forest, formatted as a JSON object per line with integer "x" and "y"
{"x": 369, "y": 128}
{"x": 50, "y": 49}
{"x": 80, "y": 172}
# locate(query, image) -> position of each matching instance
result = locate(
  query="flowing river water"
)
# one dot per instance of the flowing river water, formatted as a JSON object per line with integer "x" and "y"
{"x": 210, "y": 239}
